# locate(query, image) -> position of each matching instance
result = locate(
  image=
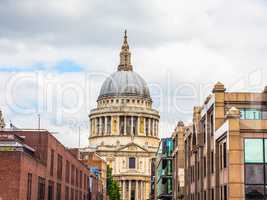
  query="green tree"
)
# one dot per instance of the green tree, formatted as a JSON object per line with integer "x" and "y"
{"x": 113, "y": 187}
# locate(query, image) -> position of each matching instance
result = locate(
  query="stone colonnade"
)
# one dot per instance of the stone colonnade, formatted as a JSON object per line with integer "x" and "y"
{"x": 125, "y": 125}
{"x": 133, "y": 189}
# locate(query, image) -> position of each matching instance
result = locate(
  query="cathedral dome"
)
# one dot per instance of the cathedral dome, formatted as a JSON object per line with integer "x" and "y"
{"x": 124, "y": 82}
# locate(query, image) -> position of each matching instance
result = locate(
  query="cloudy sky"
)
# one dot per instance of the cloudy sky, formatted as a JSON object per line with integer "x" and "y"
{"x": 54, "y": 56}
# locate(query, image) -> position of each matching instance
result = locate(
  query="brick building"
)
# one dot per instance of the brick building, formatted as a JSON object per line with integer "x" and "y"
{"x": 178, "y": 160}
{"x": 97, "y": 165}
{"x": 35, "y": 165}
{"x": 225, "y": 153}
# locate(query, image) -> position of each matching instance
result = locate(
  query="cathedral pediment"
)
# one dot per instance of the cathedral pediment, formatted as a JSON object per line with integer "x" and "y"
{"x": 132, "y": 147}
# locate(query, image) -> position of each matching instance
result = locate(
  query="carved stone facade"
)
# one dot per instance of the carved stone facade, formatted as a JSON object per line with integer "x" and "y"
{"x": 124, "y": 128}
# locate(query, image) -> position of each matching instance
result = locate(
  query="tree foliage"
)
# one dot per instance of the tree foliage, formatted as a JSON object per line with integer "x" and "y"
{"x": 113, "y": 187}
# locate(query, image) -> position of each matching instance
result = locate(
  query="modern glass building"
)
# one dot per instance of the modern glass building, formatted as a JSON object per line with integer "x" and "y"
{"x": 163, "y": 178}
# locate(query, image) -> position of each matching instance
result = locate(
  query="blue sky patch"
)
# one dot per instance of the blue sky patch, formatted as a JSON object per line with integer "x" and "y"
{"x": 62, "y": 66}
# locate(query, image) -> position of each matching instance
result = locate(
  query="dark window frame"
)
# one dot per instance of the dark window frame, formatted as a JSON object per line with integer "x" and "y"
{"x": 264, "y": 164}
{"x": 132, "y": 163}
{"x": 29, "y": 186}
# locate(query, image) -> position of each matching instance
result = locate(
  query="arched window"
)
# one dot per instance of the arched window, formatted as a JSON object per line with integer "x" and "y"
{"x": 131, "y": 162}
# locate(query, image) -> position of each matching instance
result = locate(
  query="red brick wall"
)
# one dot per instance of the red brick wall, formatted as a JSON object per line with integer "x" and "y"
{"x": 15, "y": 166}
{"x": 30, "y": 165}
{"x": 9, "y": 175}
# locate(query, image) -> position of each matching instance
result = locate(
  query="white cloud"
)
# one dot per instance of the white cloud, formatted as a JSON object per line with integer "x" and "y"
{"x": 173, "y": 43}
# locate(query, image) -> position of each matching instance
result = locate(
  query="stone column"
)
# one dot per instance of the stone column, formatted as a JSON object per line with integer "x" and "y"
{"x": 149, "y": 128}
{"x": 153, "y": 130}
{"x": 138, "y": 125}
{"x": 118, "y": 125}
{"x": 142, "y": 190}
{"x": 136, "y": 190}
{"x": 145, "y": 126}
{"x": 218, "y": 91}
{"x": 156, "y": 127}
{"x": 235, "y": 155}
{"x": 123, "y": 189}
{"x": 129, "y": 190}
{"x": 125, "y": 123}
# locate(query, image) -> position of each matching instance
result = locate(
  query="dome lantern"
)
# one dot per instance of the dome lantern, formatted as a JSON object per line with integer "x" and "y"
{"x": 125, "y": 55}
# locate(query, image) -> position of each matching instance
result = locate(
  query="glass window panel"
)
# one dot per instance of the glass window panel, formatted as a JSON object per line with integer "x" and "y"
{"x": 254, "y": 192}
{"x": 250, "y": 114}
{"x": 253, "y": 150}
{"x": 254, "y": 174}
{"x": 265, "y": 148}
{"x": 242, "y": 114}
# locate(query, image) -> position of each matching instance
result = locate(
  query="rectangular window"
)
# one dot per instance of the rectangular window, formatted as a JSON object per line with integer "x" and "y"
{"x": 221, "y": 193}
{"x": 41, "y": 188}
{"x": 211, "y": 125}
{"x": 59, "y": 167}
{"x": 250, "y": 114}
{"x": 131, "y": 163}
{"x": 29, "y": 187}
{"x": 72, "y": 194}
{"x": 50, "y": 190}
{"x": 81, "y": 179}
{"x": 58, "y": 191}
{"x": 193, "y": 173}
{"x": 77, "y": 177}
{"x": 67, "y": 193}
{"x": 265, "y": 148}
{"x": 198, "y": 170}
{"x": 221, "y": 156}
{"x": 254, "y": 192}
{"x": 255, "y": 169}
{"x": 253, "y": 150}
{"x": 76, "y": 194}
{"x": 224, "y": 155}
{"x": 212, "y": 162}
{"x": 67, "y": 171}
{"x": 205, "y": 166}
{"x": 84, "y": 181}
{"x": 212, "y": 194}
{"x": 225, "y": 192}
{"x": 72, "y": 174}
{"x": 254, "y": 173}
{"x": 52, "y": 162}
